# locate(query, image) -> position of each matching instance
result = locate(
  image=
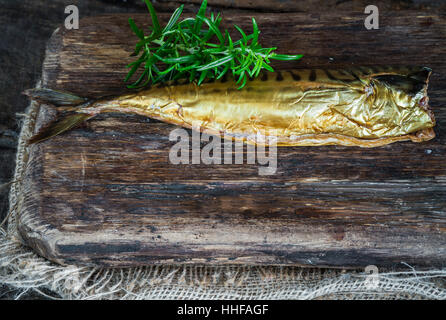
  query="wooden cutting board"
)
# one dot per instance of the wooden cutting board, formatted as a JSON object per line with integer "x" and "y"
{"x": 106, "y": 194}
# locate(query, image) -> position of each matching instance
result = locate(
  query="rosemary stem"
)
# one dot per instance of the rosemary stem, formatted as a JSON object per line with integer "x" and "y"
{"x": 196, "y": 48}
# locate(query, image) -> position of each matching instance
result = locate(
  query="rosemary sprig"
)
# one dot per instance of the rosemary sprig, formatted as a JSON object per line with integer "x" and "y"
{"x": 196, "y": 48}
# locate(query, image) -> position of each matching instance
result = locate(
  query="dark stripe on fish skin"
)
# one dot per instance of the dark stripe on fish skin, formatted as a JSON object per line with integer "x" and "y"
{"x": 365, "y": 70}
{"x": 377, "y": 69}
{"x": 279, "y": 76}
{"x": 216, "y": 90}
{"x": 374, "y": 69}
{"x": 354, "y": 75}
{"x": 346, "y": 73}
{"x": 296, "y": 77}
{"x": 330, "y": 76}
{"x": 312, "y": 76}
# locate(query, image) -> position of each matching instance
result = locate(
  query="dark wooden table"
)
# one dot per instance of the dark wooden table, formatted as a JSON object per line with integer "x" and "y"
{"x": 26, "y": 26}
{"x": 106, "y": 194}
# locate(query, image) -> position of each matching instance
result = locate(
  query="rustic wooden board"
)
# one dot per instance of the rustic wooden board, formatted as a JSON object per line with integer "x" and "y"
{"x": 106, "y": 193}
{"x": 297, "y": 5}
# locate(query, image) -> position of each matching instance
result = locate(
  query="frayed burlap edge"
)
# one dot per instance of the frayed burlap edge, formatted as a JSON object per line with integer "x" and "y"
{"x": 21, "y": 268}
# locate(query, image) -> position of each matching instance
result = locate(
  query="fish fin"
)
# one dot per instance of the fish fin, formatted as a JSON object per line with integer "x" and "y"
{"x": 58, "y": 98}
{"x": 59, "y": 126}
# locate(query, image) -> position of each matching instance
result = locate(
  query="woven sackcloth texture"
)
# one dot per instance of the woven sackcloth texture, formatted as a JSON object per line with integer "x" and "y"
{"x": 21, "y": 268}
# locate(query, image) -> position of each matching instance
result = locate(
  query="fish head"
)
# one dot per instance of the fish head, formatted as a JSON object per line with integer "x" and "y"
{"x": 402, "y": 98}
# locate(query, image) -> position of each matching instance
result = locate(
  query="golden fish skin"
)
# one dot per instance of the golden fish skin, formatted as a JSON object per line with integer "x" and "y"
{"x": 363, "y": 106}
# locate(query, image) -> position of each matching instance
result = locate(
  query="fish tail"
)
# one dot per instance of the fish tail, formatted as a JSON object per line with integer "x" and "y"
{"x": 58, "y": 99}
{"x": 59, "y": 126}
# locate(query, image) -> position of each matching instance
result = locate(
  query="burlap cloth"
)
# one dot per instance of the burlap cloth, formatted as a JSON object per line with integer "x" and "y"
{"x": 21, "y": 268}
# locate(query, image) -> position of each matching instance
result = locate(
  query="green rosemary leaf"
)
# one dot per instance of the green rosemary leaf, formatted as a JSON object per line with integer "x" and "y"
{"x": 182, "y": 59}
{"x": 178, "y": 75}
{"x": 216, "y": 63}
{"x": 267, "y": 66}
{"x": 192, "y": 75}
{"x": 167, "y": 70}
{"x": 258, "y": 67}
{"x": 244, "y": 37}
{"x": 135, "y": 67}
{"x": 135, "y": 29}
{"x": 187, "y": 23}
{"x": 131, "y": 72}
{"x": 173, "y": 19}
{"x": 155, "y": 22}
{"x": 137, "y": 50}
{"x": 202, "y": 76}
{"x": 196, "y": 49}
{"x": 224, "y": 71}
{"x": 241, "y": 41}
{"x": 137, "y": 82}
{"x": 213, "y": 27}
{"x": 286, "y": 57}
{"x": 194, "y": 66}
{"x": 212, "y": 45}
{"x": 244, "y": 78}
{"x": 230, "y": 43}
{"x": 200, "y": 14}
{"x": 216, "y": 22}
{"x": 255, "y": 32}
{"x": 241, "y": 76}
{"x": 141, "y": 59}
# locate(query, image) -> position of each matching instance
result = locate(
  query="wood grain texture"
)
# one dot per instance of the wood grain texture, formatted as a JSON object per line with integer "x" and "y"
{"x": 298, "y": 5}
{"x": 106, "y": 193}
